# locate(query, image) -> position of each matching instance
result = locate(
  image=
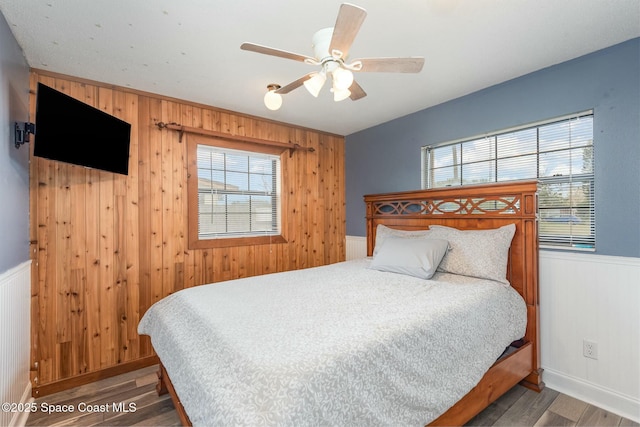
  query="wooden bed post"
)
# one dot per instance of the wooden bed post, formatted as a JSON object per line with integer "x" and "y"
{"x": 531, "y": 287}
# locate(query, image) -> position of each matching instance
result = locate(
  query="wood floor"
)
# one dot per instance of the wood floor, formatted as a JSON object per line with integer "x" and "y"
{"x": 135, "y": 392}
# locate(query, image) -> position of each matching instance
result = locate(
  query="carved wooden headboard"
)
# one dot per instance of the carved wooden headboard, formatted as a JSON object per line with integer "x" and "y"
{"x": 473, "y": 207}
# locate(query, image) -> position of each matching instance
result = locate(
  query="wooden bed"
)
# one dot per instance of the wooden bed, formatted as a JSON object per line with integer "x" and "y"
{"x": 472, "y": 207}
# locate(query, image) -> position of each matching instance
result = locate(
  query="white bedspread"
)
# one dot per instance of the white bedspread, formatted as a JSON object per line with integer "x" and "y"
{"x": 335, "y": 345}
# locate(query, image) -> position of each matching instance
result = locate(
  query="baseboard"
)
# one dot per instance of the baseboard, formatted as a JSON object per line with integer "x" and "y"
{"x": 593, "y": 394}
{"x": 78, "y": 380}
{"x": 19, "y": 419}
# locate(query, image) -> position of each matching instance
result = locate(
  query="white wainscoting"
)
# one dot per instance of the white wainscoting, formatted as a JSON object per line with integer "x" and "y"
{"x": 356, "y": 247}
{"x": 592, "y": 297}
{"x": 15, "y": 318}
{"x": 597, "y": 298}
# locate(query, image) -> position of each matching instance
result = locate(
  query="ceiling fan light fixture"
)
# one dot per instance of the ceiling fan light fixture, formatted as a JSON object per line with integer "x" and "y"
{"x": 340, "y": 94}
{"x": 342, "y": 78}
{"x": 273, "y": 100}
{"x": 315, "y": 83}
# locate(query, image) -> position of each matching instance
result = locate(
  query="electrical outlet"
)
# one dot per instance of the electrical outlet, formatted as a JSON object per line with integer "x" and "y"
{"x": 590, "y": 349}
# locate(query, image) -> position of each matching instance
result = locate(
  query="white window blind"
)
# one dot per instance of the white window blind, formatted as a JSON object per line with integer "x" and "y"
{"x": 559, "y": 153}
{"x": 238, "y": 193}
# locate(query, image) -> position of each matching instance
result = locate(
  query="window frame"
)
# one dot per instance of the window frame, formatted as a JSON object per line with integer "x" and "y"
{"x": 569, "y": 241}
{"x": 194, "y": 239}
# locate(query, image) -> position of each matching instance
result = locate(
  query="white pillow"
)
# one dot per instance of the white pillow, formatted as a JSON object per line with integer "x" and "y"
{"x": 476, "y": 253}
{"x": 383, "y": 232}
{"x": 414, "y": 257}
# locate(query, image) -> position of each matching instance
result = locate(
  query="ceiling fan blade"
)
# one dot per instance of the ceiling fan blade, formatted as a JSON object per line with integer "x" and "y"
{"x": 294, "y": 84}
{"x": 356, "y": 92}
{"x": 252, "y": 47}
{"x": 391, "y": 65}
{"x": 348, "y": 23}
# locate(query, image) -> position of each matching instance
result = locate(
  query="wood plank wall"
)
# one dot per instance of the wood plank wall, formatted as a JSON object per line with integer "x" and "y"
{"x": 105, "y": 246}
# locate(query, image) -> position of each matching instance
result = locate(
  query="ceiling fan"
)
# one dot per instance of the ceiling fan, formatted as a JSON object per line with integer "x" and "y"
{"x": 331, "y": 49}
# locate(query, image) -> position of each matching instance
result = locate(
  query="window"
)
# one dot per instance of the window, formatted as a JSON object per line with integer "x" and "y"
{"x": 559, "y": 153}
{"x": 237, "y": 197}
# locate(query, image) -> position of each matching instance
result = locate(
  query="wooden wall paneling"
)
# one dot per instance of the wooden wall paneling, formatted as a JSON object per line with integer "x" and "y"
{"x": 241, "y": 260}
{"x": 331, "y": 241}
{"x": 93, "y": 269}
{"x": 62, "y": 218}
{"x": 208, "y": 267}
{"x": 225, "y": 123}
{"x": 310, "y": 200}
{"x": 235, "y": 260}
{"x": 34, "y": 191}
{"x": 125, "y": 202}
{"x": 79, "y": 322}
{"x": 224, "y": 268}
{"x": 203, "y": 266}
{"x": 192, "y": 116}
{"x": 251, "y": 255}
{"x": 339, "y": 203}
{"x": 216, "y": 261}
{"x": 265, "y": 258}
{"x": 290, "y": 189}
{"x": 156, "y": 213}
{"x": 111, "y": 298}
{"x": 295, "y": 182}
{"x": 302, "y": 220}
{"x": 148, "y": 109}
{"x": 46, "y": 260}
{"x": 314, "y": 203}
{"x": 325, "y": 166}
{"x": 78, "y": 267}
{"x": 179, "y": 194}
{"x": 93, "y": 342}
{"x": 236, "y": 125}
{"x": 170, "y": 113}
{"x": 132, "y": 250}
{"x": 47, "y": 275}
{"x": 119, "y": 313}
{"x": 203, "y": 258}
{"x": 107, "y": 246}
{"x": 77, "y": 274}
{"x": 317, "y": 202}
{"x": 63, "y": 355}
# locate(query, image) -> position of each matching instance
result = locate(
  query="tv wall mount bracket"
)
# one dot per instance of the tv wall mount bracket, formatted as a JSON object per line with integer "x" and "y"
{"x": 22, "y": 131}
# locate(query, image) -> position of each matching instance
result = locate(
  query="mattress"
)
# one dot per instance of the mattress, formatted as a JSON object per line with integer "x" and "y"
{"x": 335, "y": 345}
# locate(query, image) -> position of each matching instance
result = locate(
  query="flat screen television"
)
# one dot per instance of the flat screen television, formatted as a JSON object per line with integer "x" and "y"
{"x": 71, "y": 131}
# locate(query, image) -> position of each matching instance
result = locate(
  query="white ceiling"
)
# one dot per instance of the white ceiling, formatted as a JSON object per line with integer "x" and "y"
{"x": 190, "y": 49}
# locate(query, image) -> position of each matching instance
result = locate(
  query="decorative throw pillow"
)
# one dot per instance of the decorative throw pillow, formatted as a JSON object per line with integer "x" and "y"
{"x": 383, "y": 232}
{"x": 414, "y": 257}
{"x": 476, "y": 253}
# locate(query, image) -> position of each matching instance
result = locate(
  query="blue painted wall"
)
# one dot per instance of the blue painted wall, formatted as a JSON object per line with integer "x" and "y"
{"x": 387, "y": 157}
{"x": 14, "y": 164}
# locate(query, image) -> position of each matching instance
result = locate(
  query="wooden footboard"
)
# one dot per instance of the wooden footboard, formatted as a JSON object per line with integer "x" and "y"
{"x": 501, "y": 377}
